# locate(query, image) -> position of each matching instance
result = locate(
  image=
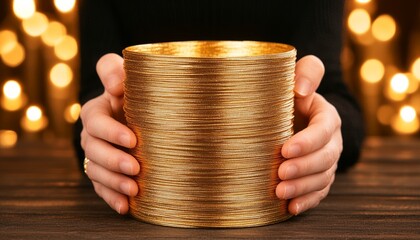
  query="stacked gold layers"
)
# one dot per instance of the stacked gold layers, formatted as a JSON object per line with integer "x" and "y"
{"x": 210, "y": 120}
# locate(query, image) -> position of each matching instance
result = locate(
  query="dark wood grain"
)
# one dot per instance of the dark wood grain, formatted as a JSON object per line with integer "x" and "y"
{"x": 43, "y": 195}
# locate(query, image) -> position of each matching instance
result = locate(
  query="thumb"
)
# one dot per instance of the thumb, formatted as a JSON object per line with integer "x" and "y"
{"x": 111, "y": 72}
{"x": 308, "y": 75}
{"x": 309, "y": 72}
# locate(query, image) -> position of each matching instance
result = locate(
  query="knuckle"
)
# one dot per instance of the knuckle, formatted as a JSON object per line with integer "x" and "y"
{"x": 89, "y": 125}
{"x": 85, "y": 110}
{"x": 88, "y": 149}
{"x": 326, "y": 179}
{"x": 111, "y": 162}
{"x": 83, "y": 139}
{"x": 331, "y": 155}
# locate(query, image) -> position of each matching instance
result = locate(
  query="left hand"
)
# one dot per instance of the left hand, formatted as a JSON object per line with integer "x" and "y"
{"x": 312, "y": 154}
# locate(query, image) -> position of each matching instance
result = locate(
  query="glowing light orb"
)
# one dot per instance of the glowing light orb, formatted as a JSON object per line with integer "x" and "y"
{"x": 359, "y": 21}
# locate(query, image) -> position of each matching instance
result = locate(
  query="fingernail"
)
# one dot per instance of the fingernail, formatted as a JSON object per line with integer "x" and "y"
{"x": 303, "y": 86}
{"x": 125, "y": 140}
{"x": 293, "y": 151}
{"x": 289, "y": 191}
{"x": 125, "y": 188}
{"x": 126, "y": 167}
{"x": 118, "y": 207}
{"x": 291, "y": 171}
{"x": 297, "y": 209}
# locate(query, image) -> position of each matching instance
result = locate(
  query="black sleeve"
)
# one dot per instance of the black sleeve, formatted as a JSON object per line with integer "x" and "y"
{"x": 313, "y": 27}
{"x": 320, "y": 33}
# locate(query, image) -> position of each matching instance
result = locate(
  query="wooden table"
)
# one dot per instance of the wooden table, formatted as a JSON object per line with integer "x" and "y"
{"x": 44, "y": 195}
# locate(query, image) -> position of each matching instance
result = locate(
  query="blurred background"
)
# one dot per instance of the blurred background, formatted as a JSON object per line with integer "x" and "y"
{"x": 39, "y": 71}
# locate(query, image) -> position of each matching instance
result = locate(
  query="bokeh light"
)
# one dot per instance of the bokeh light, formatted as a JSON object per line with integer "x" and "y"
{"x": 415, "y": 68}
{"x": 66, "y": 48}
{"x": 34, "y": 113}
{"x": 8, "y": 138}
{"x": 12, "y": 89}
{"x": 415, "y": 102}
{"x": 402, "y": 127}
{"x": 34, "y": 120}
{"x": 372, "y": 70}
{"x": 385, "y": 113}
{"x": 64, "y": 5}
{"x": 15, "y": 56}
{"x": 55, "y": 31}
{"x": 407, "y": 113}
{"x": 363, "y": 1}
{"x": 384, "y": 27}
{"x": 359, "y": 21}
{"x": 72, "y": 112}
{"x": 413, "y": 83}
{"x": 61, "y": 75}
{"x": 24, "y": 8}
{"x": 12, "y": 98}
{"x": 399, "y": 83}
{"x": 35, "y": 25}
{"x": 8, "y": 40}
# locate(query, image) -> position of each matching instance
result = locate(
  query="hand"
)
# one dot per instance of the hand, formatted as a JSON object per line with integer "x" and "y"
{"x": 104, "y": 132}
{"x": 312, "y": 153}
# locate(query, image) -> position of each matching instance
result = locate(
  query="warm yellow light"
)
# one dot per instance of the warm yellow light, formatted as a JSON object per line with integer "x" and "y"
{"x": 372, "y": 70}
{"x": 399, "y": 83}
{"x": 12, "y": 89}
{"x": 64, "y": 5}
{"x": 8, "y": 138}
{"x": 384, "y": 114}
{"x": 415, "y": 68}
{"x": 13, "y": 104}
{"x": 24, "y": 8}
{"x": 34, "y": 113}
{"x": 15, "y": 56}
{"x": 35, "y": 25}
{"x": 66, "y": 48}
{"x": 8, "y": 40}
{"x": 415, "y": 102}
{"x": 384, "y": 27}
{"x": 363, "y": 1}
{"x": 392, "y": 95}
{"x": 33, "y": 120}
{"x": 413, "y": 83}
{"x": 55, "y": 31}
{"x": 72, "y": 112}
{"x": 61, "y": 75}
{"x": 403, "y": 127}
{"x": 359, "y": 21}
{"x": 408, "y": 113}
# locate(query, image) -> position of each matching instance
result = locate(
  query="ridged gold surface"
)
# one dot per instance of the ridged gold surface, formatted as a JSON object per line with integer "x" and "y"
{"x": 210, "y": 119}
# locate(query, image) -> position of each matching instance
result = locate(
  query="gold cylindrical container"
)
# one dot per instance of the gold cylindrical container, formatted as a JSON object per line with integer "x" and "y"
{"x": 210, "y": 119}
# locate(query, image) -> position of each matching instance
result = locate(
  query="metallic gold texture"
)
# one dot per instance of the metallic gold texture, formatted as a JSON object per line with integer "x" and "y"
{"x": 210, "y": 119}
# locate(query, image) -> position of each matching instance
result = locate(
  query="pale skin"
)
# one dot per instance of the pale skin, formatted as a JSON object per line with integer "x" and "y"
{"x": 312, "y": 153}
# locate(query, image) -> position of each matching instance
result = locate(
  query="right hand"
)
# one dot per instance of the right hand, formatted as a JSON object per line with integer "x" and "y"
{"x": 103, "y": 132}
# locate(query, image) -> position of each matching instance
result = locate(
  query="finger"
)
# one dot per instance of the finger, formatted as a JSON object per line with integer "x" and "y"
{"x": 98, "y": 123}
{"x": 115, "y": 200}
{"x": 116, "y": 181}
{"x": 297, "y": 187}
{"x": 323, "y": 123}
{"x": 309, "y": 72}
{"x": 110, "y": 157}
{"x": 316, "y": 162}
{"x": 308, "y": 201}
{"x": 111, "y": 72}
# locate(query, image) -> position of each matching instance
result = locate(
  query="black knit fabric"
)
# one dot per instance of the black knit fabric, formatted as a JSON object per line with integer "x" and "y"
{"x": 313, "y": 27}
